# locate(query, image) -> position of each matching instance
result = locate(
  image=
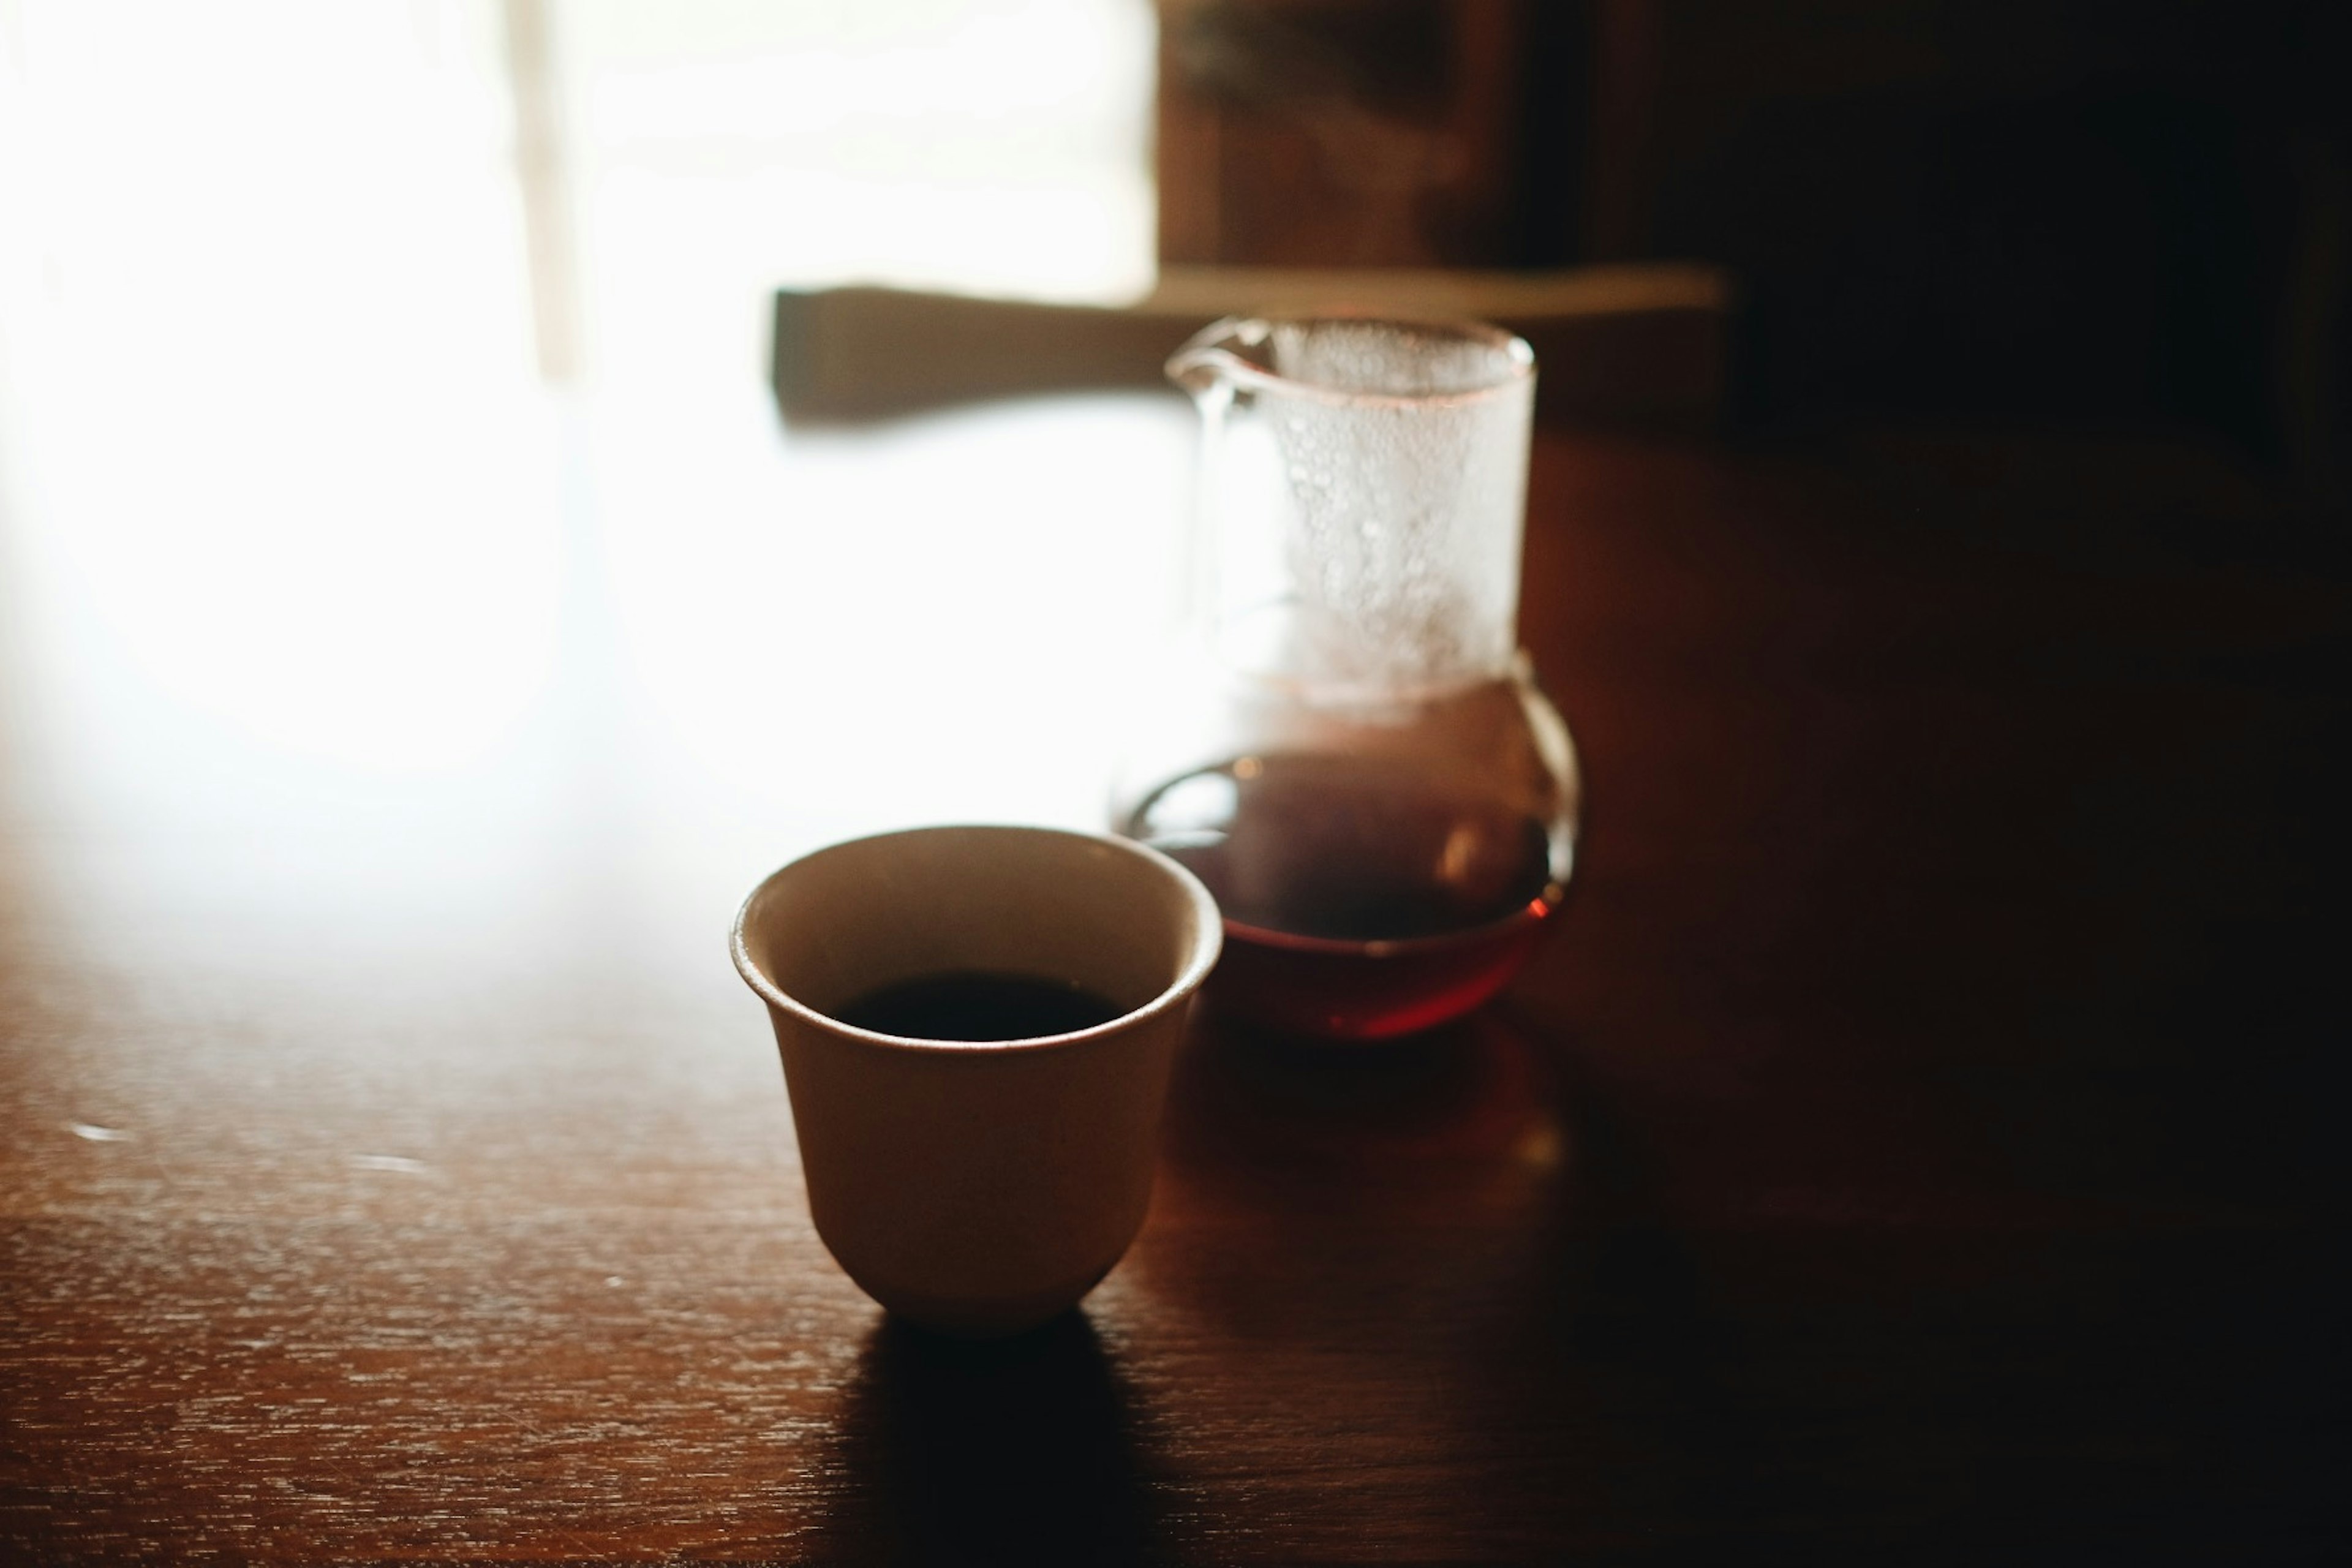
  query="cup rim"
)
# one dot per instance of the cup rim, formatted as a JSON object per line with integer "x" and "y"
{"x": 1209, "y": 919}
{"x": 1207, "y": 349}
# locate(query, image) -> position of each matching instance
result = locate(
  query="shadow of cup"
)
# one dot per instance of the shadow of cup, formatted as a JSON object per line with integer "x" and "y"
{"x": 1012, "y": 1450}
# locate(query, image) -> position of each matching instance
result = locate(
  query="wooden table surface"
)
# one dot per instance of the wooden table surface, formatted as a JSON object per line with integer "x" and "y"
{"x": 1914, "y": 1142}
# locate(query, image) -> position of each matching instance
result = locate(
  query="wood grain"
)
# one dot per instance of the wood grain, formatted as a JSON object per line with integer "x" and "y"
{"x": 1910, "y": 1146}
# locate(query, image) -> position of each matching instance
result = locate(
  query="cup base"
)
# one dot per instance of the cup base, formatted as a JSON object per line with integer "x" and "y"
{"x": 986, "y": 1318}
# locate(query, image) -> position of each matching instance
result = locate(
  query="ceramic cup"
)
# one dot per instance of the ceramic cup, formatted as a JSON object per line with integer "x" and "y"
{"x": 978, "y": 1189}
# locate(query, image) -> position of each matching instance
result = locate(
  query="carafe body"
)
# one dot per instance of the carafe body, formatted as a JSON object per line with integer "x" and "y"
{"x": 1347, "y": 745}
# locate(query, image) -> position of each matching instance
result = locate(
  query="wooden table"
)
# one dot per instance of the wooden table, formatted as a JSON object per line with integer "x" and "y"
{"x": 1914, "y": 1143}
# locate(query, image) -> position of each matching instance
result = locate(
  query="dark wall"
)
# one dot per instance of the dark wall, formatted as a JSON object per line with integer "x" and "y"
{"x": 2053, "y": 212}
{"x": 2103, "y": 215}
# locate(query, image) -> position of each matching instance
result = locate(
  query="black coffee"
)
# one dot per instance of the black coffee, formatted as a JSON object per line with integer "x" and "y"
{"x": 977, "y": 1004}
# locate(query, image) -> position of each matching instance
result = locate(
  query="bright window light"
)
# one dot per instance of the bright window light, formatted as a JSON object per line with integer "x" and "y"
{"x": 272, "y": 417}
{"x": 721, "y": 150}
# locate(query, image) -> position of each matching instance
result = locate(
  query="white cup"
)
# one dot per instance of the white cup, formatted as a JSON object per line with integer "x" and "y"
{"x": 977, "y": 1188}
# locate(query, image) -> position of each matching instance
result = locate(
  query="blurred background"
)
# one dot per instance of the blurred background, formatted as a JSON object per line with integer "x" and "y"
{"x": 2065, "y": 213}
{"x": 366, "y": 368}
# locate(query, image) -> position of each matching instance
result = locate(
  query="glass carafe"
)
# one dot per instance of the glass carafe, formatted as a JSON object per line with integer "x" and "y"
{"x": 1349, "y": 746}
